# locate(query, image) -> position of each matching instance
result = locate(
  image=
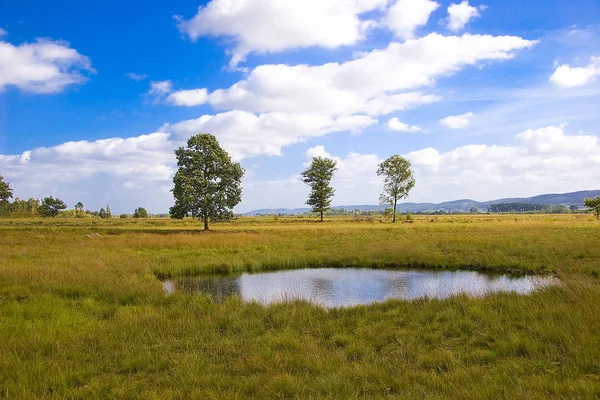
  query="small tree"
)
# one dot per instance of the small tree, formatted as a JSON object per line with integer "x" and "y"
{"x": 6, "y": 193}
{"x": 108, "y": 212}
{"x": 140, "y": 212}
{"x": 318, "y": 176}
{"x": 574, "y": 208}
{"x": 474, "y": 210}
{"x": 398, "y": 181}
{"x": 51, "y": 207}
{"x": 79, "y": 207}
{"x": 593, "y": 205}
{"x": 207, "y": 183}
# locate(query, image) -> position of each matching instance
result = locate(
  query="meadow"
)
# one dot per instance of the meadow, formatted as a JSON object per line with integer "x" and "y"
{"x": 83, "y": 313}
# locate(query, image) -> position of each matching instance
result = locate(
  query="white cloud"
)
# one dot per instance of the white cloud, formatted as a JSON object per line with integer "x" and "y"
{"x": 246, "y": 134}
{"x": 160, "y": 88}
{"x": 318, "y": 151}
{"x": 127, "y": 173}
{"x": 405, "y": 16}
{"x": 44, "y": 66}
{"x": 136, "y": 77}
{"x": 567, "y": 76}
{"x": 460, "y": 14}
{"x": 552, "y": 140}
{"x": 264, "y": 26}
{"x": 374, "y": 84}
{"x": 114, "y": 171}
{"x": 457, "y": 121}
{"x": 543, "y": 160}
{"x": 540, "y": 161}
{"x": 396, "y": 125}
{"x": 3, "y": 32}
{"x": 188, "y": 98}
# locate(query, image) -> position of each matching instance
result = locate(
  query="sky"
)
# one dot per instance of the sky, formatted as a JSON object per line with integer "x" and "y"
{"x": 487, "y": 99}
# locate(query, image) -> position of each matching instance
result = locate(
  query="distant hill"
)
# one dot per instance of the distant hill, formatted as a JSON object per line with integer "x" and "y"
{"x": 571, "y": 198}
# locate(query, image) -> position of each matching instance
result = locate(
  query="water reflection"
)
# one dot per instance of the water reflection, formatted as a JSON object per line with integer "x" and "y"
{"x": 340, "y": 287}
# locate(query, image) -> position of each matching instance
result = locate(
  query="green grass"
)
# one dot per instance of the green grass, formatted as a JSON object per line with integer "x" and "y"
{"x": 83, "y": 315}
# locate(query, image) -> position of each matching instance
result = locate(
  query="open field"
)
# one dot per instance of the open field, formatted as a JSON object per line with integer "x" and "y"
{"x": 83, "y": 315}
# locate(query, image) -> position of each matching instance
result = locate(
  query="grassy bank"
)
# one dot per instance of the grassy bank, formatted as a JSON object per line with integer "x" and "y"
{"x": 83, "y": 314}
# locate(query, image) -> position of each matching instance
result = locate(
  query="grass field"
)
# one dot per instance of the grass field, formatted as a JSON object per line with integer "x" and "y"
{"x": 83, "y": 315}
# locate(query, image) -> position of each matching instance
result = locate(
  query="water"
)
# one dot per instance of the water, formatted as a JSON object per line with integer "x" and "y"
{"x": 343, "y": 287}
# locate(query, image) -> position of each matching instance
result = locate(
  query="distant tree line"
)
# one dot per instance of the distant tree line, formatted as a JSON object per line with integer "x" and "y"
{"x": 52, "y": 207}
{"x": 531, "y": 208}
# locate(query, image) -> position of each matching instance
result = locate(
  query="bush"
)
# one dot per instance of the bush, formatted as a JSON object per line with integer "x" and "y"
{"x": 140, "y": 212}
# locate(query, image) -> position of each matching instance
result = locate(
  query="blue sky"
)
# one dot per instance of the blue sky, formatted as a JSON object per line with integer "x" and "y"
{"x": 487, "y": 99}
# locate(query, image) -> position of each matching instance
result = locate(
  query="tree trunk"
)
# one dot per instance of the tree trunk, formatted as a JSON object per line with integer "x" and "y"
{"x": 205, "y": 223}
{"x": 394, "y": 217}
{"x": 321, "y": 215}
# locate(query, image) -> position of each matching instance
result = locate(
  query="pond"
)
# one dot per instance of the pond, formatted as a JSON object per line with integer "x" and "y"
{"x": 343, "y": 287}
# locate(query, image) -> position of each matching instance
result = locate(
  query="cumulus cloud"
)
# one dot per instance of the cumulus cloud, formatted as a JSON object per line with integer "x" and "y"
{"x": 44, "y": 66}
{"x": 379, "y": 82}
{"x": 405, "y": 16}
{"x": 396, "y": 125}
{"x": 264, "y": 26}
{"x": 457, "y": 121}
{"x": 460, "y": 14}
{"x": 246, "y": 134}
{"x": 102, "y": 171}
{"x": 132, "y": 172}
{"x": 541, "y": 161}
{"x": 567, "y": 76}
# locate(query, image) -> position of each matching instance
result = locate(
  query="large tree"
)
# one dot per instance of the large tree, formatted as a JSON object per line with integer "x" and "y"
{"x": 593, "y": 205}
{"x": 318, "y": 176}
{"x": 398, "y": 180}
{"x": 208, "y": 185}
{"x": 6, "y": 193}
{"x": 51, "y": 207}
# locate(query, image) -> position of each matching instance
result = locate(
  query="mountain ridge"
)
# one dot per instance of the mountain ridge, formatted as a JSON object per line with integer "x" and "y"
{"x": 569, "y": 198}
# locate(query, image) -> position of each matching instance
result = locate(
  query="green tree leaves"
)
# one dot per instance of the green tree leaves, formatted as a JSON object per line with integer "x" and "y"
{"x": 140, "y": 212}
{"x": 318, "y": 176}
{"x": 398, "y": 181}
{"x": 6, "y": 193}
{"x": 593, "y": 205}
{"x": 51, "y": 207}
{"x": 207, "y": 183}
